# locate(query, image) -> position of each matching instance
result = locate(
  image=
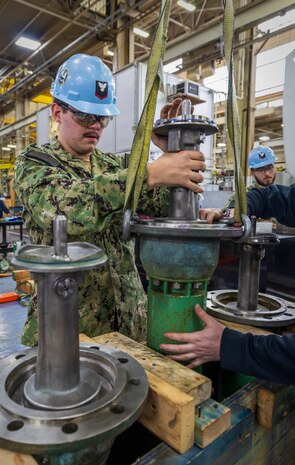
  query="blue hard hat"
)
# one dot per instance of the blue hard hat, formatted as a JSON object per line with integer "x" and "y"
{"x": 261, "y": 156}
{"x": 87, "y": 84}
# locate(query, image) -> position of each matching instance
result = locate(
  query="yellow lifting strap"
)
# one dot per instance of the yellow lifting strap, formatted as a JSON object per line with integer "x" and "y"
{"x": 233, "y": 123}
{"x": 141, "y": 143}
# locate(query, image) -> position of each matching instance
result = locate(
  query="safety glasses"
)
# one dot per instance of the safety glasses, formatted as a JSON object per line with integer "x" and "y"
{"x": 264, "y": 169}
{"x": 86, "y": 119}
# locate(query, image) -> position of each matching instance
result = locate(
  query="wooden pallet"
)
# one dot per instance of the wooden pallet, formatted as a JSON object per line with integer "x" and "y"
{"x": 254, "y": 426}
{"x": 174, "y": 391}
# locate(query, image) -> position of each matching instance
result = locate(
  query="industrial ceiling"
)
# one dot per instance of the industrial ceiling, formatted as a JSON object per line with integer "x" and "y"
{"x": 65, "y": 27}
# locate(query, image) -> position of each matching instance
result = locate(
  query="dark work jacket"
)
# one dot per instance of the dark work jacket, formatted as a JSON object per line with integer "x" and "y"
{"x": 272, "y": 201}
{"x": 266, "y": 357}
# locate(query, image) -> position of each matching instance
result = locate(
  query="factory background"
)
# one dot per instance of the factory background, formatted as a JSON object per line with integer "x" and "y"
{"x": 43, "y": 34}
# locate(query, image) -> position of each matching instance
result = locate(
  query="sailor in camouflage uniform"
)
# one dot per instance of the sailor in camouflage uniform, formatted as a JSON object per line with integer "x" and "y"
{"x": 70, "y": 176}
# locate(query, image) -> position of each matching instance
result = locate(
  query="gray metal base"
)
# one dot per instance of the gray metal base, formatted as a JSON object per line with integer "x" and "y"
{"x": 119, "y": 401}
{"x": 271, "y": 311}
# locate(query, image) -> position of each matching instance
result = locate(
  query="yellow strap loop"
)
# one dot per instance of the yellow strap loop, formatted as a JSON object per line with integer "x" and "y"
{"x": 140, "y": 147}
{"x": 233, "y": 123}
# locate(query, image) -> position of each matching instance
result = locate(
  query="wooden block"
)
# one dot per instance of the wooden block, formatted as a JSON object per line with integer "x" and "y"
{"x": 169, "y": 412}
{"x": 247, "y": 396}
{"x": 288, "y": 330}
{"x": 26, "y": 286}
{"x": 21, "y": 275}
{"x": 243, "y": 328}
{"x": 179, "y": 376}
{"x": 274, "y": 402}
{"x": 212, "y": 419}
{"x": 228, "y": 449}
{"x": 13, "y": 458}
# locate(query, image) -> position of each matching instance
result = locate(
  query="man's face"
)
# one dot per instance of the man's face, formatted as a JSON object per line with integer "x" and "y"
{"x": 77, "y": 136}
{"x": 264, "y": 176}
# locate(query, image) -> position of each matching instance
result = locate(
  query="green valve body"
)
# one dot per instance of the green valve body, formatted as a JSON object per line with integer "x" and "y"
{"x": 178, "y": 272}
{"x": 171, "y": 308}
{"x": 179, "y": 253}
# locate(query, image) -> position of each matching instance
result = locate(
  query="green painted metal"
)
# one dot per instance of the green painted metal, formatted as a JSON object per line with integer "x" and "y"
{"x": 179, "y": 271}
{"x": 171, "y": 308}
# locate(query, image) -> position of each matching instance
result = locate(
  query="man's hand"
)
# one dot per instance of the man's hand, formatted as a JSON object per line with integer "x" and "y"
{"x": 170, "y": 110}
{"x": 210, "y": 214}
{"x": 177, "y": 169}
{"x": 198, "y": 347}
{"x": 214, "y": 214}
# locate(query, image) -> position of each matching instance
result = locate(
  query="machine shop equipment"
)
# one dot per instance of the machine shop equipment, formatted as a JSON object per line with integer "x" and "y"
{"x": 179, "y": 253}
{"x": 246, "y": 305}
{"x": 61, "y": 403}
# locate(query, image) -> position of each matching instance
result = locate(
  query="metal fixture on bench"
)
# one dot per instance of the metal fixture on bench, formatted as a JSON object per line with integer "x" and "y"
{"x": 179, "y": 253}
{"x": 63, "y": 404}
{"x": 246, "y": 305}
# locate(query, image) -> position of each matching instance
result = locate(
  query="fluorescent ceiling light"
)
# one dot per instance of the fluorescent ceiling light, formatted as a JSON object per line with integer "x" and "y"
{"x": 264, "y": 138}
{"x": 6, "y": 149}
{"x": 140, "y": 32}
{"x": 221, "y": 144}
{"x": 28, "y": 43}
{"x": 110, "y": 53}
{"x": 11, "y": 146}
{"x": 187, "y": 6}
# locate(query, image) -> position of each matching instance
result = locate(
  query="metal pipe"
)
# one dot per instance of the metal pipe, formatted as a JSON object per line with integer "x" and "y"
{"x": 58, "y": 367}
{"x": 60, "y": 236}
{"x": 184, "y": 203}
{"x": 249, "y": 277}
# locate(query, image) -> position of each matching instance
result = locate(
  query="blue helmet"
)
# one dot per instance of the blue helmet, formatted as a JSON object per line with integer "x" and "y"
{"x": 87, "y": 84}
{"x": 261, "y": 156}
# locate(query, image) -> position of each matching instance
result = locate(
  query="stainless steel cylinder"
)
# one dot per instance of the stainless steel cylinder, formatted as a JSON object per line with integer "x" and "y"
{"x": 249, "y": 276}
{"x": 184, "y": 132}
{"x": 64, "y": 403}
{"x": 184, "y": 204}
{"x": 60, "y": 236}
{"x": 58, "y": 354}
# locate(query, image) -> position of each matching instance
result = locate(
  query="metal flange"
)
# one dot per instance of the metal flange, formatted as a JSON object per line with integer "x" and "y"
{"x": 271, "y": 311}
{"x": 116, "y": 405}
{"x": 168, "y": 227}
{"x": 196, "y": 123}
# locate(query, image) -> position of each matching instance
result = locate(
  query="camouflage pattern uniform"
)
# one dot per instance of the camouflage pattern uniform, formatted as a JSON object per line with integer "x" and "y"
{"x": 91, "y": 196}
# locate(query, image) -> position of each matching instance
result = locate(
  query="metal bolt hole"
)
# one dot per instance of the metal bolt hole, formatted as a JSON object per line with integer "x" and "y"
{"x": 69, "y": 428}
{"x": 15, "y": 425}
{"x": 117, "y": 408}
{"x": 135, "y": 381}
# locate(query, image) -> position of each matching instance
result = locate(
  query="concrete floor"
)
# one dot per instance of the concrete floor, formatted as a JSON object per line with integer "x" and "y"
{"x": 12, "y": 314}
{"x": 12, "y": 319}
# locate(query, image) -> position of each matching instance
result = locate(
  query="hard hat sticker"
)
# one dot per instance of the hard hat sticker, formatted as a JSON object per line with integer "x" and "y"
{"x": 101, "y": 89}
{"x": 63, "y": 76}
{"x": 262, "y": 155}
